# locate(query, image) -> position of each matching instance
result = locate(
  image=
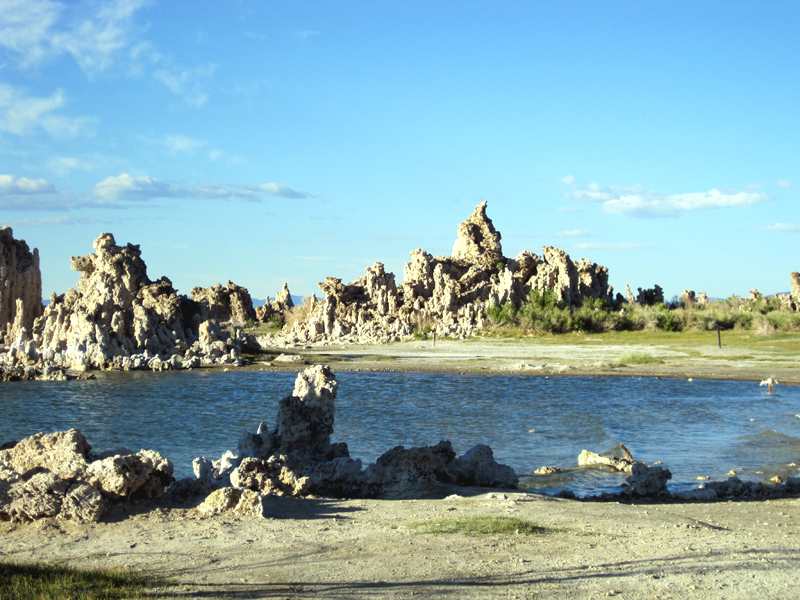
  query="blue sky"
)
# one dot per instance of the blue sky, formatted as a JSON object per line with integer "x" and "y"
{"x": 265, "y": 142}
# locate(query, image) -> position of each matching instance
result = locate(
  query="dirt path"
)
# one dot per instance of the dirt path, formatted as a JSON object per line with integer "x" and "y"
{"x": 316, "y": 548}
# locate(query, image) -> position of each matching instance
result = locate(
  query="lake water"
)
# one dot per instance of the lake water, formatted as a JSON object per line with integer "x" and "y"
{"x": 695, "y": 428}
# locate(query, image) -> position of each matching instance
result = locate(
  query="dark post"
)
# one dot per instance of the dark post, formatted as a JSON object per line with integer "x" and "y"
{"x": 434, "y": 339}
{"x": 719, "y": 338}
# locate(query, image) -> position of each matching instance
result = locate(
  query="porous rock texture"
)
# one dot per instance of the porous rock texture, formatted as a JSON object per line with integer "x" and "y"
{"x": 449, "y": 295}
{"x": 20, "y": 286}
{"x": 55, "y": 475}
{"x": 280, "y": 306}
{"x": 297, "y": 458}
{"x": 229, "y": 304}
{"x": 118, "y": 318}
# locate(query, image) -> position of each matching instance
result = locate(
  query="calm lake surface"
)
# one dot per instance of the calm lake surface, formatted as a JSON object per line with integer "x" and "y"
{"x": 696, "y": 428}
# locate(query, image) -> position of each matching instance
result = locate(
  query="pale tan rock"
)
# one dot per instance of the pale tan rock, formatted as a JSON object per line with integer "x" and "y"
{"x": 229, "y": 304}
{"x": 446, "y": 296}
{"x": 146, "y": 472}
{"x": 547, "y": 471}
{"x": 220, "y": 500}
{"x": 20, "y": 286}
{"x": 587, "y": 458}
{"x": 63, "y": 453}
{"x": 478, "y": 241}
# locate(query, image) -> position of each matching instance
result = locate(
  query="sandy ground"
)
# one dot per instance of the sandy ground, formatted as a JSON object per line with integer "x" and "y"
{"x": 588, "y": 356}
{"x": 318, "y": 548}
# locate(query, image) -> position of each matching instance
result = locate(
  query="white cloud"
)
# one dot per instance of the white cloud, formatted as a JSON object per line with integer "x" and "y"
{"x": 653, "y": 204}
{"x": 785, "y": 184}
{"x": 781, "y": 227}
{"x": 568, "y": 180}
{"x": 282, "y": 191}
{"x": 575, "y": 233}
{"x": 10, "y": 185}
{"x": 188, "y": 83}
{"x": 142, "y": 188}
{"x": 24, "y": 115}
{"x": 127, "y": 187}
{"x": 23, "y": 194}
{"x": 93, "y": 33}
{"x": 635, "y": 201}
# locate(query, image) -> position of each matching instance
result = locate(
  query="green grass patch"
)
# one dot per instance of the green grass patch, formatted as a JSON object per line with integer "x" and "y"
{"x": 29, "y": 581}
{"x": 639, "y": 358}
{"x": 479, "y": 526}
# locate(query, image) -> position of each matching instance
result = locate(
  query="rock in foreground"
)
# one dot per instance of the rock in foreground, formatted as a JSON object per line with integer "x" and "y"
{"x": 55, "y": 475}
{"x": 297, "y": 458}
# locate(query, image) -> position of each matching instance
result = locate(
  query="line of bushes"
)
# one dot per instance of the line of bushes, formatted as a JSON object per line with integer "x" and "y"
{"x": 545, "y": 313}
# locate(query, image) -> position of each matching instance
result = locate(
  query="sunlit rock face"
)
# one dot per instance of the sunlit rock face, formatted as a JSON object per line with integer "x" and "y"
{"x": 448, "y": 295}
{"x": 20, "y": 286}
{"x": 119, "y": 319}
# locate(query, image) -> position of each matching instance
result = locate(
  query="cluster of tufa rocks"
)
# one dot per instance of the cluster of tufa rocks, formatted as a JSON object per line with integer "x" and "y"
{"x": 449, "y": 294}
{"x": 116, "y": 319}
{"x": 297, "y": 458}
{"x": 56, "y": 475}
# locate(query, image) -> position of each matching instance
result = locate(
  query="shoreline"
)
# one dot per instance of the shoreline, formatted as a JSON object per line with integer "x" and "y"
{"x": 532, "y": 357}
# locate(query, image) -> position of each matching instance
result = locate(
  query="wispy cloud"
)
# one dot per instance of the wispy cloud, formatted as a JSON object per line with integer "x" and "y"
{"x": 98, "y": 36}
{"x": 568, "y": 209}
{"x": 635, "y": 201}
{"x": 21, "y": 114}
{"x": 93, "y": 33}
{"x": 781, "y": 227}
{"x": 188, "y": 83}
{"x": 181, "y": 143}
{"x": 127, "y": 187}
{"x": 575, "y": 233}
{"x": 785, "y": 184}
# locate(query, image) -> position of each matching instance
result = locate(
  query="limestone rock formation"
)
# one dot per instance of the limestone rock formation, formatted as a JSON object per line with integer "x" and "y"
{"x": 229, "y": 304}
{"x": 297, "y": 458}
{"x": 280, "y": 306}
{"x": 478, "y": 241}
{"x": 55, "y": 475}
{"x": 447, "y": 295}
{"x": 20, "y": 286}
{"x": 795, "y": 293}
{"x": 118, "y": 318}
